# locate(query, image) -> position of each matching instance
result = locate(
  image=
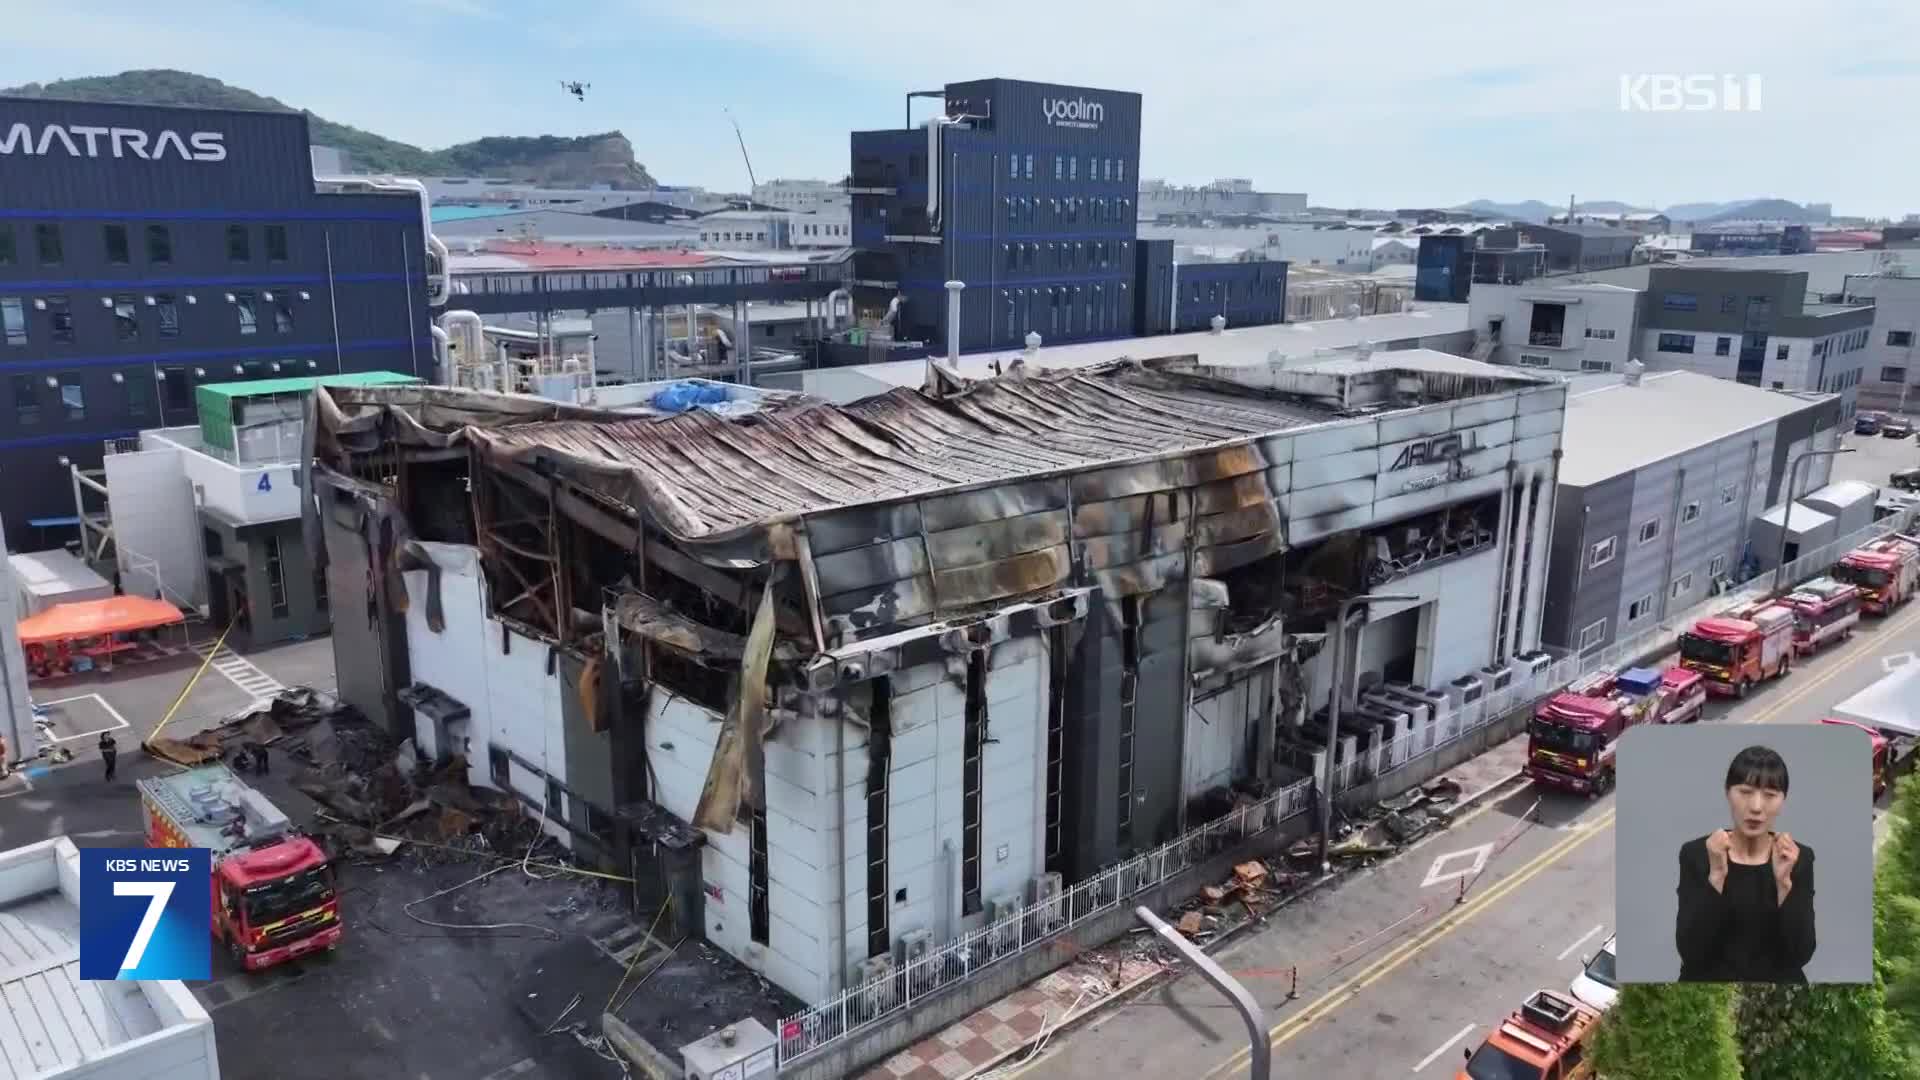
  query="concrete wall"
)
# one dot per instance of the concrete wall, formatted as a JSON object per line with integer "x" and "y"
{"x": 16, "y": 708}
{"x": 152, "y": 506}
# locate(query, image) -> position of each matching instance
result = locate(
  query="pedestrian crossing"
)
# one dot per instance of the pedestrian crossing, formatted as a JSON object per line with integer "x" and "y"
{"x": 241, "y": 672}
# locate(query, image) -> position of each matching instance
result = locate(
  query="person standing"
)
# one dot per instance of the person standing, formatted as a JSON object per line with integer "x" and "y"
{"x": 109, "y": 752}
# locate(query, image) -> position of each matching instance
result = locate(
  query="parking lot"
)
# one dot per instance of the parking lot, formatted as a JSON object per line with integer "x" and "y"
{"x": 1874, "y": 457}
{"x": 465, "y": 986}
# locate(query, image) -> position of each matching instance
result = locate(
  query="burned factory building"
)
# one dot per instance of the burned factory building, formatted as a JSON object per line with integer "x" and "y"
{"x": 845, "y": 681}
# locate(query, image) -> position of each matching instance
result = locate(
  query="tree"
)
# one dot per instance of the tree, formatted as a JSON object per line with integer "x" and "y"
{"x": 1790, "y": 1032}
{"x": 1896, "y": 917}
{"x": 1678, "y": 1031}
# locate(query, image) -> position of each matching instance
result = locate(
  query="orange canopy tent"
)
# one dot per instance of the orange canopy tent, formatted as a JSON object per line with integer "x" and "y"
{"x": 97, "y": 618}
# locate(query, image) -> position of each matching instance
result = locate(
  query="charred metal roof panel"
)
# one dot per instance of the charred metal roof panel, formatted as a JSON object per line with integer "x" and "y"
{"x": 706, "y": 474}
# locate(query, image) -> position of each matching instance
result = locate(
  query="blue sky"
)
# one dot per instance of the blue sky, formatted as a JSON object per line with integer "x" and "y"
{"x": 1407, "y": 104}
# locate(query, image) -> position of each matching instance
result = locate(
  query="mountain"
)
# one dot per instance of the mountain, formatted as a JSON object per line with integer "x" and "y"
{"x": 550, "y": 160}
{"x": 1769, "y": 210}
{"x": 1537, "y": 211}
{"x": 1704, "y": 211}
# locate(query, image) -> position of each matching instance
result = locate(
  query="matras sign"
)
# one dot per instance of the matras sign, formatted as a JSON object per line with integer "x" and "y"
{"x": 91, "y": 141}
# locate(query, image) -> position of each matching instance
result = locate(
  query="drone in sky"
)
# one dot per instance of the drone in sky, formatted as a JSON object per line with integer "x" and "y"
{"x": 577, "y": 89}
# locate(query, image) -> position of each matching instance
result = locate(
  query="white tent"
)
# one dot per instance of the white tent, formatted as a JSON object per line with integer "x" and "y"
{"x": 1893, "y": 703}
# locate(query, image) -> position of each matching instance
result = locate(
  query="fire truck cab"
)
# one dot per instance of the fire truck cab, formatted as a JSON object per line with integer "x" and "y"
{"x": 1886, "y": 571}
{"x": 1824, "y": 610}
{"x": 1546, "y": 1038}
{"x": 1571, "y": 740}
{"x": 1743, "y": 647}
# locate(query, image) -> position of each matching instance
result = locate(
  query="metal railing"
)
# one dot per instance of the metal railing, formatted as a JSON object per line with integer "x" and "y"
{"x": 1048, "y": 918}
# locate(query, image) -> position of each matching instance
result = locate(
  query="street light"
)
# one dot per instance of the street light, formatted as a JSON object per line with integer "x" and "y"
{"x": 1333, "y": 710}
{"x": 1786, "y": 512}
{"x": 1259, "y": 1046}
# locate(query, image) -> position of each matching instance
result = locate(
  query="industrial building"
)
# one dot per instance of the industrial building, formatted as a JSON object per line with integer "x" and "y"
{"x": 1578, "y": 328}
{"x": 1662, "y": 480}
{"x": 147, "y": 250}
{"x": 1890, "y": 371}
{"x": 850, "y": 679}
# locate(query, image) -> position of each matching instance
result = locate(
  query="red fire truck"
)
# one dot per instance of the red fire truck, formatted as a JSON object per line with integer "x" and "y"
{"x": 1886, "y": 571}
{"x": 1573, "y": 736}
{"x": 1735, "y": 650}
{"x": 1824, "y": 610}
{"x": 273, "y": 896}
{"x": 1673, "y": 696}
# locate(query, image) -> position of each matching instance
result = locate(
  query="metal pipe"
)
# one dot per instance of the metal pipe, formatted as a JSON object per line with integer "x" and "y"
{"x": 1333, "y": 710}
{"x": 1259, "y": 1046}
{"x": 953, "y": 324}
{"x": 1786, "y": 512}
{"x": 443, "y": 360}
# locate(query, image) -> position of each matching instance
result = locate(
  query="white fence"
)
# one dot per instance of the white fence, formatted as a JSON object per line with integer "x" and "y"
{"x": 1048, "y": 919}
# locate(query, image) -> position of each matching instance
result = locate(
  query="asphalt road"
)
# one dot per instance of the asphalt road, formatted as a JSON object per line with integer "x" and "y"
{"x": 1397, "y": 970}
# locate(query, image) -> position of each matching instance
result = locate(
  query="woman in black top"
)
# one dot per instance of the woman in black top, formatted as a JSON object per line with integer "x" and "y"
{"x": 1746, "y": 893}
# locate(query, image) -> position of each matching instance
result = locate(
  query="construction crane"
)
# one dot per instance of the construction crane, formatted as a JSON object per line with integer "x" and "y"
{"x": 742, "y": 139}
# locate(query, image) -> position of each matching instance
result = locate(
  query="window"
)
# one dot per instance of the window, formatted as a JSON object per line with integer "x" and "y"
{"x": 73, "y": 397}
{"x": 1781, "y": 352}
{"x": 1601, "y": 553}
{"x": 1717, "y": 566}
{"x": 1898, "y": 339}
{"x": 138, "y": 383}
{"x": 1534, "y": 360}
{"x": 60, "y": 320}
{"x": 1027, "y": 168}
{"x": 13, "y": 319}
{"x": 8, "y": 253}
{"x": 282, "y": 315}
{"x": 239, "y": 244}
{"x": 1729, "y": 493}
{"x": 26, "y": 400}
{"x": 117, "y": 247}
{"x": 1599, "y": 335}
{"x": 1690, "y": 512}
{"x": 556, "y": 800}
{"x": 1640, "y": 608}
{"x": 1680, "y": 301}
{"x": 1728, "y": 303}
{"x": 1722, "y": 346}
{"x": 276, "y": 243}
{"x": 1778, "y": 385}
{"x": 169, "y": 313}
{"x": 1120, "y": 170}
{"x": 1675, "y": 343}
{"x": 243, "y": 305}
{"x": 1887, "y": 374}
{"x": 1596, "y": 365}
{"x": 46, "y": 239}
{"x": 1073, "y": 168}
{"x": 126, "y": 326}
{"x": 1106, "y": 169}
{"x": 499, "y": 768}
{"x": 179, "y": 388}
{"x": 1591, "y": 637}
{"x": 1059, "y": 168}
{"x": 276, "y": 576}
{"x": 1013, "y": 166}
{"x": 1649, "y": 530}
{"x": 1682, "y": 584}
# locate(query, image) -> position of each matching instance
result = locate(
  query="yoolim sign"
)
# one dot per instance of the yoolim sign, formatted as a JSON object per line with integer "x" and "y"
{"x": 1073, "y": 113}
{"x": 90, "y": 141}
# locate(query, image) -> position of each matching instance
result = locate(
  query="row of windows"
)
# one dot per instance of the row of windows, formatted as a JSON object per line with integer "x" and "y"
{"x": 1102, "y": 169}
{"x": 1599, "y": 335}
{"x": 1834, "y": 384}
{"x": 1758, "y": 307}
{"x": 1063, "y": 310}
{"x": 35, "y": 397}
{"x": 1027, "y": 211}
{"x": 1679, "y": 587}
{"x": 50, "y": 241}
{"x": 1602, "y": 551}
{"x": 759, "y": 236}
{"x": 162, "y": 313}
{"x": 1090, "y": 255}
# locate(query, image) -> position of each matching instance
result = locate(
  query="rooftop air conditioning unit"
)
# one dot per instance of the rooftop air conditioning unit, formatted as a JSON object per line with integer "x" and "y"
{"x": 913, "y": 947}
{"x": 1049, "y": 903}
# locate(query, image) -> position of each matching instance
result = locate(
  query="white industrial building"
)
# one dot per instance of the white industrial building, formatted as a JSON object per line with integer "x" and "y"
{"x": 1554, "y": 326}
{"x": 58, "y": 1026}
{"x": 804, "y": 196}
{"x": 1891, "y": 375}
{"x": 903, "y": 664}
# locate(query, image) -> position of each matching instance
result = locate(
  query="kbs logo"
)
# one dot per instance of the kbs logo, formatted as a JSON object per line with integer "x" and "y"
{"x": 1689, "y": 93}
{"x": 146, "y": 913}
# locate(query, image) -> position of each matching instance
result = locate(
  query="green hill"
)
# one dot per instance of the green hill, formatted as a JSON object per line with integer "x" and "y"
{"x": 556, "y": 160}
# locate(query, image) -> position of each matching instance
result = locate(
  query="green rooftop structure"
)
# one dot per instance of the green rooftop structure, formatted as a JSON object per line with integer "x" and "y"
{"x": 229, "y": 411}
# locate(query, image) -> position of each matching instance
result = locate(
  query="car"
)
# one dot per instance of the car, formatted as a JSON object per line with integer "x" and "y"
{"x": 1905, "y": 479}
{"x": 1897, "y": 428}
{"x": 1596, "y": 985}
{"x": 1866, "y": 424}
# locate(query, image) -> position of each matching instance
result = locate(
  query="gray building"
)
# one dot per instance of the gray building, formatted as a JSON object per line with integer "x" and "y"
{"x": 1891, "y": 375}
{"x": 1570, "y": 248}
{"x": 1660, "y": 481}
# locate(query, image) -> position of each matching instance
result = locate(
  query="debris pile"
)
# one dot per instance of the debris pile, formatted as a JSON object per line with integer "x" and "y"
{"x": 293, "y": 710}
{"x": 1253, "y": 889}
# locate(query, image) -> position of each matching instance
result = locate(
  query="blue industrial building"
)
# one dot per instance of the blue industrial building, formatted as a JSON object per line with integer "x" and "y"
{"x": 146, "y": 250}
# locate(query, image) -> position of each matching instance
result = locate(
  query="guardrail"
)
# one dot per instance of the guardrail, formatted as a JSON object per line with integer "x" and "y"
{"x": 1049, "y": 917}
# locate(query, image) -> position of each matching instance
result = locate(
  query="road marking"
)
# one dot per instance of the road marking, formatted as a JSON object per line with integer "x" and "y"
{"x": 1443, "y": 1048}
{"x": 524, "y": 1065}
{"x": 1327, "y": 1002}
{"x": 1895, "y": 661}
{"x": 119, "y": 721}
{"x": 1584, "y": 938}
{"x": 243, "y": 673}
{"x": 1478, "y": 855}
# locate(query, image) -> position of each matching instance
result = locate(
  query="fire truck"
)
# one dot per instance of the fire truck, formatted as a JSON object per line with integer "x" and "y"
{"x": 1882, "y": 759}
{"x": 1824, "y": 610}
{"x": 1673, "y": 696}
{"x": 1573, "y": 736}
{"x": 273, "y": 894}
{"x": 1734, "y": 650}
{"x": 1886, "y": 571}
{"x": 1546, "y": 1038}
